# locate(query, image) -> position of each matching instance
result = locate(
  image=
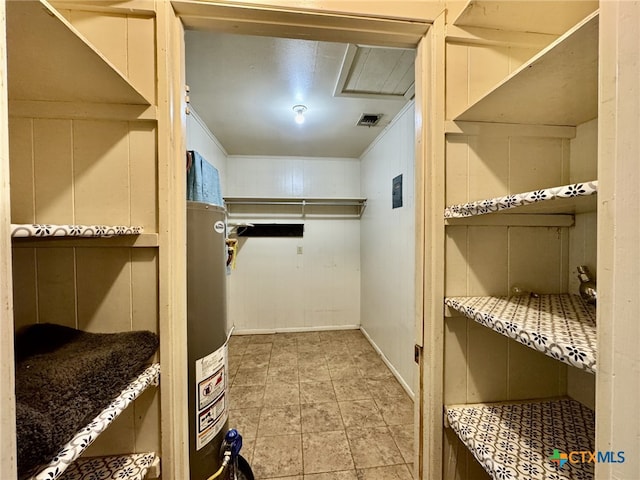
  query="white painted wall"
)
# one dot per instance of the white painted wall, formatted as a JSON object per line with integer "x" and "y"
{"x": 387, "y": 245}
{"x": 200, "y": 139}
{"x": 275, "y": 288}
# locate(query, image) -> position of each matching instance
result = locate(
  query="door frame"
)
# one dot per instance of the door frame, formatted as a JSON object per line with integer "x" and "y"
{"x": 422, "y": 27}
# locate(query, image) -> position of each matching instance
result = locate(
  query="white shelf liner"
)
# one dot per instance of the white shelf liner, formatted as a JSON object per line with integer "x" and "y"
{"x": 121, "y": 467}
{"x": 497, "y": 204}
{"x": 560, "y": 326}
{"x": 46, "y": 230}
{"x": 70, "y": 452}
{"x": 515, "y": 441}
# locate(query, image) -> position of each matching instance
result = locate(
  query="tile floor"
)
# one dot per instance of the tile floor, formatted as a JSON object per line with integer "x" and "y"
{"x": 319, "y": 406}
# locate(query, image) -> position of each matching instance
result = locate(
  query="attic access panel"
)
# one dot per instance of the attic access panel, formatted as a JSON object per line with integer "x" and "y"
{"x": 377, "y": 72}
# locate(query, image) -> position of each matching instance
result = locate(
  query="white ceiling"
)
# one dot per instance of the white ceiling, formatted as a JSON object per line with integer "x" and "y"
{"x": 244, "y": 88}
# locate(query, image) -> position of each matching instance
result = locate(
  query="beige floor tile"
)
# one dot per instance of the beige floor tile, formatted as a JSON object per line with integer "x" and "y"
{"x": 385, "y": 389}
{"x": 360, "y": 413}
{"x": 284, "y": 358}
{"x": 337, "y": 335}
{"x": 373, "y": 447}
{"x": 279, "y": 421}
{"x": 284, "y": 374}
{"x": 366, "y": 357}
{"x": 255, "y": 360}
{"x": 360, "y": 347}
{"x": 377, "y": 371}
{"x": 246, "y": 396}
{"x": 403, "y": 436}
{"x": 234, "y": 364}
{"x": 284, "y": 342}
{"x": 397, "y": 410}
{"x": 277, "y": 456}
{"x": 250, "y": 376}
{"x": 321, "y": 417}
{"x": 337, "y": 349}
{"x": 295, "y": 477}
{"x": 351, "y": 389}
{"x": 259, "y": 348}
{"x": 245, "y": 420}
{"x": 314, "y": 373}
{"x": 344, "y": 475}
{"x": 394, "y": 472}
{"x": 262, "y": 338}
{"x": 344, "y": 371}
{"x": 354, "y": 335}
{"x": 337, "y": 360}
{"x": 314, "y": 348}
{"x": 326, "y": 452}
{"x": 278, "y": 394}
{"x": 370, "y": 361}
{"x": 317, "y": 392}
{"x": 311, "y": 358}
{"x": 246, "y": 451}
{"x": 238, "y": 344}
{"x": 308, "y": 337}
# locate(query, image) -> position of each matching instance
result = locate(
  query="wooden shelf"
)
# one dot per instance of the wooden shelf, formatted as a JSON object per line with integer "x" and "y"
{"x": 572, "y": 198}
{"x": 553, "y": 18}
{"x": 49, "y": 60}
{"x": 72, "y": 450}
{"x": 316, "y": 206}
{"x": 560, "y": 326}
{"x": 121, "y": 467}
{"x": 559, "y": 86}
{"x": 515, "y": 220}
{"x": 43, "y": 230}
{"x": 518, "y": 440}
{"x": 54, "y": 236}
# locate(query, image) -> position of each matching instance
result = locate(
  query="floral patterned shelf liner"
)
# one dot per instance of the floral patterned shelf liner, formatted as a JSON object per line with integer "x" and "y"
{"x": 70, "y": 452}
{"x": 45, "y": 230}
{"x": 520, "y": 199}
{"x": 124, "y": 467}
{"x": 517, "y": 441}
{"x": 560, "y": 326}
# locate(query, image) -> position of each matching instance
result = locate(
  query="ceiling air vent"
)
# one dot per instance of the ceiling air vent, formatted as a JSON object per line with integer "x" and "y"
{"x": 369, "y": 119}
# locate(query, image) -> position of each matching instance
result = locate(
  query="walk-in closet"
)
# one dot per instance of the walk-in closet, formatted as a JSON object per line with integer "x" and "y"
{"x": 321, "y": 285}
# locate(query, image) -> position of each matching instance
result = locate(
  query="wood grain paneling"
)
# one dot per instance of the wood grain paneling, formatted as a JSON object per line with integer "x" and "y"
{"x": 144, "y": 289}
{"x": 25, "y": 290}
{"x": 101, "y": 172}
{"x": 489, "y": 172}
{"x": 104, "y": 299}
{"x": 53, "y": 171}
{"x": 56, "y": 286}
{"x": 21, "y": 170}
{"x": 487, "y": 366}
{"x": 143, "y": 175}
{"x": 487, "y": 261}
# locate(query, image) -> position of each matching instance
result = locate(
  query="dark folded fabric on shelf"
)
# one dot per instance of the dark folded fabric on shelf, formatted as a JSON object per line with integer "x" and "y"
{"x": 64, "y": 378}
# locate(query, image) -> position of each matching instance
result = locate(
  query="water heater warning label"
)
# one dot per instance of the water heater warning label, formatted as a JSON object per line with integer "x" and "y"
{"x": 211, "y": 402}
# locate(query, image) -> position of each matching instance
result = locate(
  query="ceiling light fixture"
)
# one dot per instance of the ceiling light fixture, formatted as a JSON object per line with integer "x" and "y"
{"x": 299, "y": 109}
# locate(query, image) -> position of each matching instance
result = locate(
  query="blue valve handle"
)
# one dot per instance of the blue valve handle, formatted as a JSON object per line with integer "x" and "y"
{"x": 232, "y": 443}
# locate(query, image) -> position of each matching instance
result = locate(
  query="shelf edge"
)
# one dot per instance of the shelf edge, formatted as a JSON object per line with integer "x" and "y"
{"x": 507, "y": 202}
{"x": 85, "y": 437}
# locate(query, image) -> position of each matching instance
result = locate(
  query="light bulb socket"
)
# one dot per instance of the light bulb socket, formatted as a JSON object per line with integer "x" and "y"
{"x": 299, "y": 109}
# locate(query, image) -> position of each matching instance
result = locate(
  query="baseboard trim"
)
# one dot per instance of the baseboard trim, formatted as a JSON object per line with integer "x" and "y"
{"x": 263, "y": 331}
{"x": 401, "y": 380}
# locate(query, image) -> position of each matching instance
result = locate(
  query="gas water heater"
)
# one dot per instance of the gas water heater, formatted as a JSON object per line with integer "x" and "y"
{"x": 206, "y": 337}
